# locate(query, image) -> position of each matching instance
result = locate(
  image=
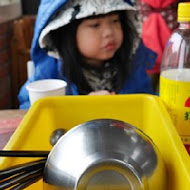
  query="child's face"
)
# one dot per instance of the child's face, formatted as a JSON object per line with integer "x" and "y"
{"x": 99, "y": 38}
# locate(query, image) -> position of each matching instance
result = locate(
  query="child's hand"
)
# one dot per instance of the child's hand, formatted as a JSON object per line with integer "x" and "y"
{"x": 101, "y": 92}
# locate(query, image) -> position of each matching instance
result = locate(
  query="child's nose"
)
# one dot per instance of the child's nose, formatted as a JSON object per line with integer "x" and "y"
{"x": 108, "y": 31}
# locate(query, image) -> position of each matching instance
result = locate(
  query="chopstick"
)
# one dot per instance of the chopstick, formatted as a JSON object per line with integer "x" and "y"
{"x": 21, "y": 178}
{"x": 21, "y": 168}
{"x": 29, "y": 153}
{"x": 27, "y": 182}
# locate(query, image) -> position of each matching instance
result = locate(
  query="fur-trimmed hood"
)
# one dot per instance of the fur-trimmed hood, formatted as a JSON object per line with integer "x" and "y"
{"x": 78, "y": 9}
{"x": 53, "y": 14}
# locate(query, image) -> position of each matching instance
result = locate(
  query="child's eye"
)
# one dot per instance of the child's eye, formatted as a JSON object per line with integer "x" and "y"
{"x": 94, "y": 25}
{"x": 116, "y": 21}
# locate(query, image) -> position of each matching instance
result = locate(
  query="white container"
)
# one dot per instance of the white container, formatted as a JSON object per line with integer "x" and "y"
{"x": 47, "y": 87}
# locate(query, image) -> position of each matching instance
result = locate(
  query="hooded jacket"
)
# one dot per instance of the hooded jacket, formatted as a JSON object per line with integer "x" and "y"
{"x": 47, "y": 67}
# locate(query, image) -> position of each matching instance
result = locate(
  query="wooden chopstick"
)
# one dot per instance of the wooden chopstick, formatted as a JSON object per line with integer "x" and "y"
{"x": 29, "y": 153}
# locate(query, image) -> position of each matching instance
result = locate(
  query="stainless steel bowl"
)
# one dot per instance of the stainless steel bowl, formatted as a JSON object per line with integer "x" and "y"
{"x": 105, "y": 154}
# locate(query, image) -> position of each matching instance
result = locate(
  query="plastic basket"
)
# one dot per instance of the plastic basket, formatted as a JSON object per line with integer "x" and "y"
{"x": 146, "y": 112}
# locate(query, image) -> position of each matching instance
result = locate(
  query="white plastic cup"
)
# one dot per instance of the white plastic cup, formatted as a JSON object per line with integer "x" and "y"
{"x": 46, "y": 87}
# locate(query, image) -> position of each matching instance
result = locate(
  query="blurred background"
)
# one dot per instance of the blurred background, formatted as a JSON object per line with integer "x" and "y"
{"x": 155, "y": 22}
{"x": 17, "y": 19}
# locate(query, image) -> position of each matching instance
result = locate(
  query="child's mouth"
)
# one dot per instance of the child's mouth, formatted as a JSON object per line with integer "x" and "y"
{"x": 110, "y": 46}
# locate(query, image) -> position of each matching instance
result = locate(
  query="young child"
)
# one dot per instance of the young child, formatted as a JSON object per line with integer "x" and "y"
{"x": 92, "y": 45}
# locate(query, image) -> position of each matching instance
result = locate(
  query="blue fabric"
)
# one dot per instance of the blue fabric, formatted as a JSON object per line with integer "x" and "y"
{"x": 139, "y": 82}
{"x": 47, "y": 67}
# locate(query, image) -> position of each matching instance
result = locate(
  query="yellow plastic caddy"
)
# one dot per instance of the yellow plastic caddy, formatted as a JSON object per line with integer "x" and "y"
{"x": 146, "y": 112}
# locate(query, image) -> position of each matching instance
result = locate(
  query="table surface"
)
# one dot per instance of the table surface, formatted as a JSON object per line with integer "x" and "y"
{"x": 9, "y": 121}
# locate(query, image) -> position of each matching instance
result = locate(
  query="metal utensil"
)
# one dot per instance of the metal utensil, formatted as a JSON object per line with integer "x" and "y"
{"x": 21, "y": 176}
{"x": 105, "y": 154}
